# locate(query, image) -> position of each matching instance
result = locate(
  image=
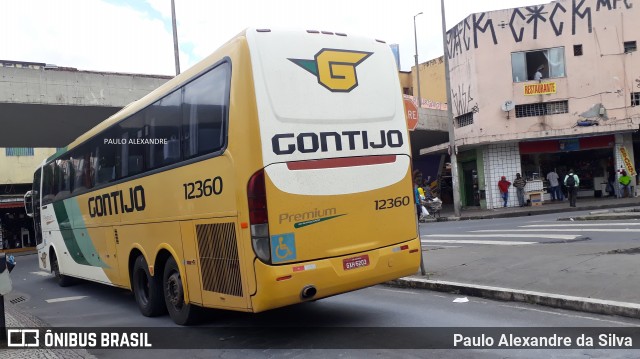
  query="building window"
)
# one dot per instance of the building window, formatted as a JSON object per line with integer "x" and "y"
{"x": 18, "y": 151}
{"x": 635, "y": 99}
{"x": 464, "y": 120}
{"x": 542, "y": 109}
{"x": 630, "y": 46}
{"x": 577, "y": 50}
{"x": 525, "y": 64}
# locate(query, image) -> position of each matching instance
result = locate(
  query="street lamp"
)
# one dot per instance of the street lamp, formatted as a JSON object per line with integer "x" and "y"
{"x": 415, "y": 36}
{"x": 176, "y": 54}
{"x": 452, "y": 134}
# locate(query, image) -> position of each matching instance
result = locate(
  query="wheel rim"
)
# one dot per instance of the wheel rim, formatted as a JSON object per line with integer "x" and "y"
{"x": 174, "y": 290}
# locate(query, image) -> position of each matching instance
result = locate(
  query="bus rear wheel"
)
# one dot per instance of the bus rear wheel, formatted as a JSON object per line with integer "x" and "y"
{"x": 181, "y": 312}
{"x": 146, "y": 289}
{"x": 63, "y": 280}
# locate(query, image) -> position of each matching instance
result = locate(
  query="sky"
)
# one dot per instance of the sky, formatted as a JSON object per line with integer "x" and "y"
{"x": 135, "y": 36}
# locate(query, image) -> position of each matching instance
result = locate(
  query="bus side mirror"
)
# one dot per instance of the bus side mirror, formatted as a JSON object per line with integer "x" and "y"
{"x": 28, "y": 204}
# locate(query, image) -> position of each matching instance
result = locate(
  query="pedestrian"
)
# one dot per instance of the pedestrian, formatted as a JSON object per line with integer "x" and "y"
{"x": 519, "y": 184}
{"x": 538, "y": 76}
{"x": 625, "y": 182}
{"x": 611, "y": 178}
{"x": 554, "y": 185}
{"x": 572, "y": 182}
{"x": 504, "y": 185}
{"x": 416, "y": 194}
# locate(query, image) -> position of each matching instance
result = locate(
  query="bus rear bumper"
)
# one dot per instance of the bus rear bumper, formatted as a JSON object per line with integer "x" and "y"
{"x": 283, "y": 285}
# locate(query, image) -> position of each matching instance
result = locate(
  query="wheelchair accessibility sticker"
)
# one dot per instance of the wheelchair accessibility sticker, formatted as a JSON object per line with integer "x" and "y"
{"x": 283, "y": 247}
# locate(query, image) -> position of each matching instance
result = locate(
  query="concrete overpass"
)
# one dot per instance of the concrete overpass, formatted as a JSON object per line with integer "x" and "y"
{"x": 432, "y": 130}
{"x": 48, "y": 106}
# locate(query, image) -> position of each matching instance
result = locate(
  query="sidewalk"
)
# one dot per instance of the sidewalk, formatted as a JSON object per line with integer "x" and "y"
{"x": 16, "y": 319}
{"x": 582, "y": 204}
{"x": 599, "y": 277}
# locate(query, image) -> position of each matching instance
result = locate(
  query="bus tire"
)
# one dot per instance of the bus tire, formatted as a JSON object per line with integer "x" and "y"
{"x": 181, "y": 312}
{"x": 146, "y": 289}
{"x": 63, "y": 280}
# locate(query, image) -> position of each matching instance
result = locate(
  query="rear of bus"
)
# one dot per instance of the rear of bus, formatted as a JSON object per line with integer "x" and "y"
{"x": 333, "y": 209}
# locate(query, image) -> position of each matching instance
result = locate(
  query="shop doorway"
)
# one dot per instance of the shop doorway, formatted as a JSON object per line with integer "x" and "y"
{"x": 591, "y": 166}
{"x": 470, "y": 178}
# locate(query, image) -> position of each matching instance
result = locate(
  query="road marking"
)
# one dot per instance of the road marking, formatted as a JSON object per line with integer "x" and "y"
{"x": 65, "y": 299}
{"x": 582, "y": 225}
{"x": 501, "y": 235}
{"x": 43, "y": 274}
{"x": 560, "y": 230}
{"x": 570, "y": 315}
{"x": 439, "y": 246}
{"x": 495, "y": 243}
{"x": 396, "y": 291}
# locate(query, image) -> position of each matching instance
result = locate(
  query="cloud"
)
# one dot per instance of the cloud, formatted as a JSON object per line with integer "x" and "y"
{"x": 86, "y": 34}
{"x": 135, "y": 35}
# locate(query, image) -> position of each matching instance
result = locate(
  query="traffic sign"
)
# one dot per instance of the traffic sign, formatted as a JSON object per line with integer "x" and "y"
{"x": 411, "y": 112}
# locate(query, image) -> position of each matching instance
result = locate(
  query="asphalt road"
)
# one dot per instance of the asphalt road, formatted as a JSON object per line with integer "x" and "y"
{"x": 540, "y": 228}
{"x": 93, "y": 305}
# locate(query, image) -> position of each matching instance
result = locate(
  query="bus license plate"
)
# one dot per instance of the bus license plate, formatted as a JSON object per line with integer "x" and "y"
{"x": 355, "y": 262}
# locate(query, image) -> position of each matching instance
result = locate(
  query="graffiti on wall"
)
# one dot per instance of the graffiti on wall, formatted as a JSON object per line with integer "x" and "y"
{"x": 528, "y": 20}
{"x": 434, "y": 62}
{"x": 463, "y": 101}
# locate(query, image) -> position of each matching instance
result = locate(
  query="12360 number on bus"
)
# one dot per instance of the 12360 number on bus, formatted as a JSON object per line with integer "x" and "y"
{"x": 206, "y": 188}
{"x": 392, "y": 202}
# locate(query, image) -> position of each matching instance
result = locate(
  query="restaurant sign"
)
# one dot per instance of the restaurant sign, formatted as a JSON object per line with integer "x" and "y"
{"x": 542, "y": 88}
{"x": 627, "y": 161}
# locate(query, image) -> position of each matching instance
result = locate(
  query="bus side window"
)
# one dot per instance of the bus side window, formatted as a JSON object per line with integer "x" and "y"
{"x": 132, "y": 154}
{"x": 107, "y": 159}
{"x": 82, "y": 172}
{"x": 56, "y": 180}
{"x": 205, "y": 112}
{"x": 37, "y": 177}
{"x": 48, "y": 192}
{"x": 163, "y": 119}
{"x": 63, "y": 177}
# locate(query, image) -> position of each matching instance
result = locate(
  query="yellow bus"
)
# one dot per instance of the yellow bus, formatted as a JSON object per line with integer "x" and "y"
{"x": 275, "y": 171}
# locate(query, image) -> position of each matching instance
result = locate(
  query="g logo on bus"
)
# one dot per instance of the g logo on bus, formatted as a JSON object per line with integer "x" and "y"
{"x": 335, "y": 69}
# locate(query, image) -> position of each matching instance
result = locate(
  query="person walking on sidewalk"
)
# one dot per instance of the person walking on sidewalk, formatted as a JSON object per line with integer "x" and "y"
{"x": 519, "y": 184}
{"x": 625, "y": 180}
{"x": 611, "y": 182}
{"x": 556, "y": 193}
{"x": 416, "y": 195}
{"x": 504, "y": 185}
{"x": 572, "y": 182}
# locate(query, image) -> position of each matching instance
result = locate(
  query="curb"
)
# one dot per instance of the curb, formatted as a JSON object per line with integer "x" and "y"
{"x": 28, "y": 250}
{"x": 525, "y": 213}
{"x": 590, "y": 305}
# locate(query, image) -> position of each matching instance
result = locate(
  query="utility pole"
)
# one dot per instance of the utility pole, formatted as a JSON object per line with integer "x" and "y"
{"x": 176, "y": 53}
{"x": 415, "y": 36}
{"x": 452, "y": 134}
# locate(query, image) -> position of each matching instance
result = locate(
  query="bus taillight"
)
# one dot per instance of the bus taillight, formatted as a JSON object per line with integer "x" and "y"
{"x": 258, "y": 218}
